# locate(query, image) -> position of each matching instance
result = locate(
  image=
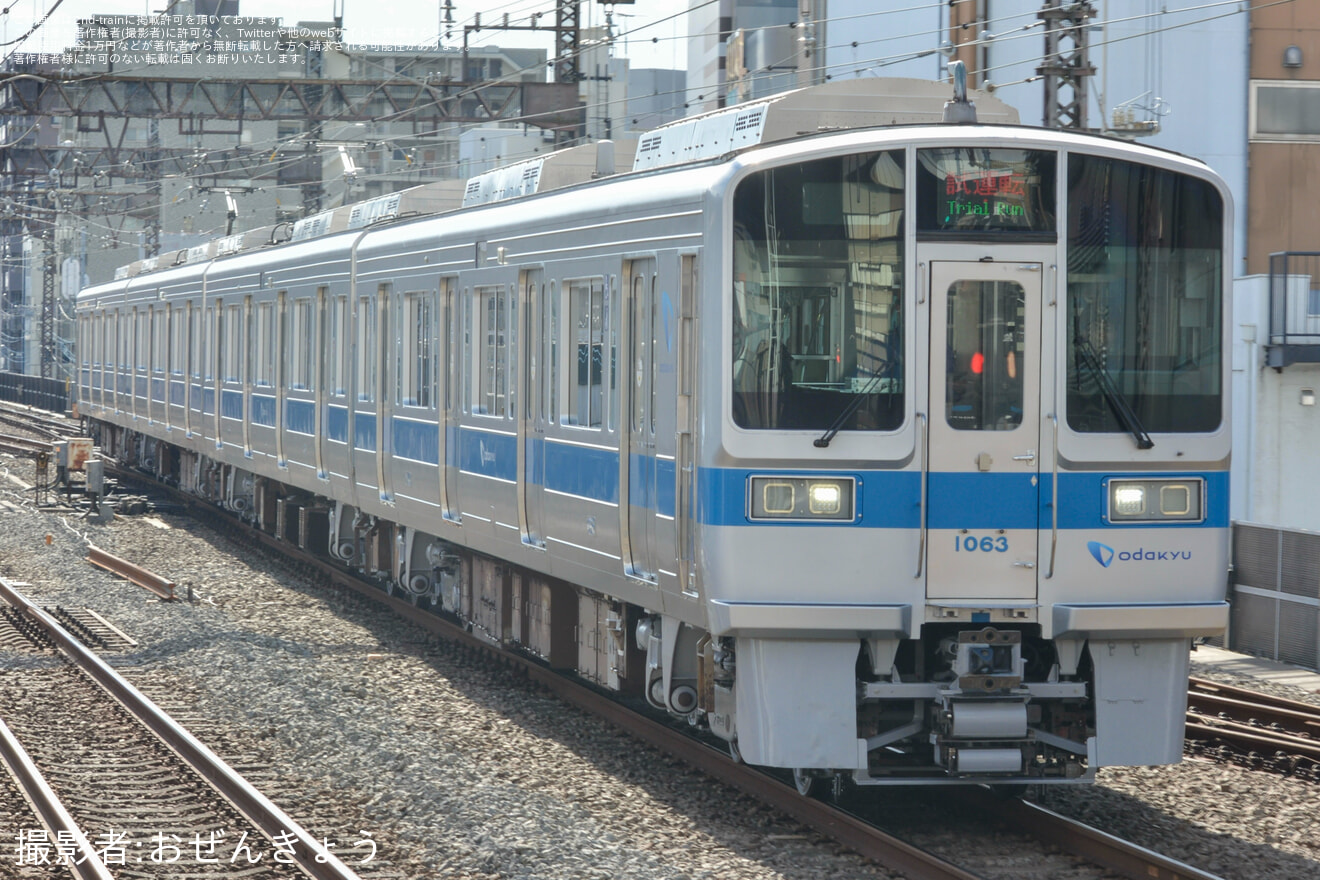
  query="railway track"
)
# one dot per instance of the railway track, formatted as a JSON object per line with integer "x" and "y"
{"x": 43, "y": 424}
{"x": 849, "y": 829}
{"x": 17, "y": 444}
{"x": 1252, "y": 729}
{"x": 145, "y": 793}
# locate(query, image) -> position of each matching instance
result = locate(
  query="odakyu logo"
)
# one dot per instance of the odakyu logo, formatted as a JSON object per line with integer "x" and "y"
{"x": 1105, "y": 555}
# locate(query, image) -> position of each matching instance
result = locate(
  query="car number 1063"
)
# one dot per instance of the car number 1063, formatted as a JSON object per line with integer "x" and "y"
{"x": 973, "y": 544}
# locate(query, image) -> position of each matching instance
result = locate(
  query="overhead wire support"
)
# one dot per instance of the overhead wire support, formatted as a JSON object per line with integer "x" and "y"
{"x": 1066, "y": 65}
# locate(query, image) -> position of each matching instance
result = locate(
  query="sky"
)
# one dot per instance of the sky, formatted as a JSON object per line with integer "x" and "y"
{"x": 652, "y": 32}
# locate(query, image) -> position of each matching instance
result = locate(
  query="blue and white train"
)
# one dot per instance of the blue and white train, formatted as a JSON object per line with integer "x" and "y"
{"x": 891, "y": 451}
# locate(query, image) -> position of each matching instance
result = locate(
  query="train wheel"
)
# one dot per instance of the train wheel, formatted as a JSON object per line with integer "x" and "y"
{"x": 804, "y": 782}
{"x": 735, "y": 752}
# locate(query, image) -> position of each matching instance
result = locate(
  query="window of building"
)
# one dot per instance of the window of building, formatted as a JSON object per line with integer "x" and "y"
{"x": 1285, "y": 111}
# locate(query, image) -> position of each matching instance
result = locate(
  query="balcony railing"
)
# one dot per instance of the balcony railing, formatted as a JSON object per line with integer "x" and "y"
{"x": 1294, "y": 308}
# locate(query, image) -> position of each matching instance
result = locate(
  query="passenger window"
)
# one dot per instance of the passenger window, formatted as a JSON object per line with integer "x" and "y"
{"x": 465, "y": 362}
{"x": 208, "y": 346}
{"x": 611, "y": 318}
{"x": 178, "y": 335}
{"x": 586, "y": 314}
{"x": 338, "y": 346}
{"x": 417, "y": 369}
{"x": 492, "y": 376}
{"x": 302, "y": 344}
{"x": 233, "y": 336}
{"x": 263, "y": 355}
{"x": 552, "y": 356}
{"x": 159, "y": 340}
{"x": 655, "y": 346}
{"x": 366, "y": 347}
{"x": 194, "y": 342}
{"x": 637, "y": 344}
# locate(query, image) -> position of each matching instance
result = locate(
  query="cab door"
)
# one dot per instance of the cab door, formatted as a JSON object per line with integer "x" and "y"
{"x": 984, "y": 455}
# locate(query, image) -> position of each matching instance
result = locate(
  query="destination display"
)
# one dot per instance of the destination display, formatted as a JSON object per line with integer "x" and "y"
{"x": 962, "y": 190}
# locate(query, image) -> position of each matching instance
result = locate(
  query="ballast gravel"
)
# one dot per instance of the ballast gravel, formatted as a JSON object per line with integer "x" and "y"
{"x": 457, "y": 768}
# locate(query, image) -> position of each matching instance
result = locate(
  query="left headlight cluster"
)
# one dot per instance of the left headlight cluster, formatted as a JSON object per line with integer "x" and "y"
{"x": 1157, "y": 500}
{"x": 801, "y": 498}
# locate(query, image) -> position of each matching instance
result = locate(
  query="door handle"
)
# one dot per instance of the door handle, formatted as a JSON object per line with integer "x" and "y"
{"x": 1029, "y": 455}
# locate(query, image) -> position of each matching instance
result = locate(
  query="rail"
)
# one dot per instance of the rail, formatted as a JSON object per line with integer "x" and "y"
{"x": 162, "y": 587}
{"x": 49, "y": 809}
{"x": 1104, "y": 849}
{"x": 311, "y": 856}
{"x": 1258, "y": 730}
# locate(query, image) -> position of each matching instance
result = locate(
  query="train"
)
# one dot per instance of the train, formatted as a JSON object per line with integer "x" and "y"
{"x": 886, "y": 449}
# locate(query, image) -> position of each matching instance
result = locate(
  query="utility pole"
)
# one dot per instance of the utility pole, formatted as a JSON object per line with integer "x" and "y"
{"x": 1067, "y": 66}
{"x": 809, "y": 71}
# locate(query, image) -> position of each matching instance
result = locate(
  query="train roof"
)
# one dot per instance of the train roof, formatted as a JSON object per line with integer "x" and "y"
{"x": 831, "y": 108}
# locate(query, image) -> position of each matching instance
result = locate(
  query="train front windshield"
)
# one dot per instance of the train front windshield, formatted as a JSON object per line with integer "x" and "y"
{"x": 1145, "y": 282}
{"x": 818, "y": 252}
{"x": 817, "y": 290}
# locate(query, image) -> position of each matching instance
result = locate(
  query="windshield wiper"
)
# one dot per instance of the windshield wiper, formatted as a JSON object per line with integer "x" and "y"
{"x": 846, "y": 413}
{"x": 1117, "y": 402}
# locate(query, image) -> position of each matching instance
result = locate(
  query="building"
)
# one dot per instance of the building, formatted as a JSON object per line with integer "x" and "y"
{"x": 180, "y": 178}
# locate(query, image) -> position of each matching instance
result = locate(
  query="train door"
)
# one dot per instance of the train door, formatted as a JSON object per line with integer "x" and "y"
{"x": 280, "y": 368}
{"x": 531, "y": 420}
{"x": 984, "y": 450}
{"x": 389, "y": 310}
{"x": 638, "y": 452}
{"x": 667, "y": 416}
{"x": 369, "y": 407}
{"x": 451, "y": 376}
{"x": 249, "y": 356}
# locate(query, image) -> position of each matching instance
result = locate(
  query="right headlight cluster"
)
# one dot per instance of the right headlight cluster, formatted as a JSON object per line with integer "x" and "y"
{"x": 802, "y": 498}
{"x": 1157, "y": 500}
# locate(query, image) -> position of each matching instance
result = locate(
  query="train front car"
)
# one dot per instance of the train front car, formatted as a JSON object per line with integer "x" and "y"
{"x": 967, "y": 505}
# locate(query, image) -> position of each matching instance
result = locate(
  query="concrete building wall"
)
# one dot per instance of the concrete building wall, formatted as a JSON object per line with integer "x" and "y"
{"x": 708, "y": 27}
{"x": 1285, "y": 164}
{"x": 1274, "y": 478}
{"x": 655, "y": 96}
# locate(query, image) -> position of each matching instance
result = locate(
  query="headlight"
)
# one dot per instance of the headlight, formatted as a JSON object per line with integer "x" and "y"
{"x": 1130, "y": 500}
{"x": 801, "y": 498}
{"x": 1157, "y": 500}
{"x": 823, "y": 498}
